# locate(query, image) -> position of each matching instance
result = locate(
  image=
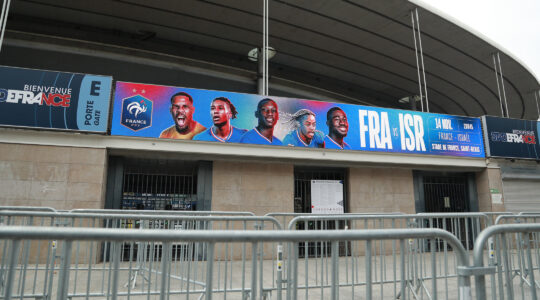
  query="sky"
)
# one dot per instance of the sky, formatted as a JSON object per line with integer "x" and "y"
{"x": 512, "y": 24}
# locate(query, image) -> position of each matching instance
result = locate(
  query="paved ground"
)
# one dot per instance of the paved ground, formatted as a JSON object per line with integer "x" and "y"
{"x": 233, "y": 279}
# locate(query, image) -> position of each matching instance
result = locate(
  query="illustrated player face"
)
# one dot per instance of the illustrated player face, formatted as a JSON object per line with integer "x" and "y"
{"x": 308, "y": 125}
{"x": 338, "y": 123}
{"x": 182, "y": 111}
{"x": 268, "y": 114}
{"x": 220, "y": 112}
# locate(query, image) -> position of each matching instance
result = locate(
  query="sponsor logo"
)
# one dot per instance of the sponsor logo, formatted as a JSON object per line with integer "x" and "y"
{"x": 515, "y": 137}
{"x": 136, "y": 112}
{"x": 39, "y": 95}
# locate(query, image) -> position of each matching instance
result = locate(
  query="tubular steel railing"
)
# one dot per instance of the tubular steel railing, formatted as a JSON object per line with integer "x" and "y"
{"x": 106, "y": 278}
{"x": 429, "y": 263}
{"x": 235, "y": 255}
{"x": 517, "y": 254}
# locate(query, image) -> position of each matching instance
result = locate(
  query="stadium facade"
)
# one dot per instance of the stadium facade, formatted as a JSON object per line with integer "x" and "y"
{"x": 412, "y": 83}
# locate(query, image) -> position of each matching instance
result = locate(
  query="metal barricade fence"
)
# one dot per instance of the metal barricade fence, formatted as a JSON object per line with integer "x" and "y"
{"x": 108, "y": 280}
{"x": 285, "y": 218}
{"x": 27, "y": 215}
{"x": 28, "y": 208}
{"x": 424, "y": 256}
{"x": 518, "y": 219}
{"x": 164, "y": 212}
{"x": 143, "y": 258}
{"x": 513, "y": 255}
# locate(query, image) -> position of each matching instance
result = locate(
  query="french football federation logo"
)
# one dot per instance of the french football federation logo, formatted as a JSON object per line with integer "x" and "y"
{"x": 136, "y": 112}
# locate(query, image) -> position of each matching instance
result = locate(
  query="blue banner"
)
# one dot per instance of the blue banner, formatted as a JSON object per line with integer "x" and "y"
{"x": 511, "y": 138}
{"x": 190, "y": 114}
{"x": 54, "y": 100}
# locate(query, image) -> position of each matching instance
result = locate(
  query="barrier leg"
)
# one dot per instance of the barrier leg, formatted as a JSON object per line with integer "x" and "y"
{"x": 335, "y": 270}
{"x": 63, "y": 278}
{"x": 209, "y": 270}
{"x": 13, "y": 255}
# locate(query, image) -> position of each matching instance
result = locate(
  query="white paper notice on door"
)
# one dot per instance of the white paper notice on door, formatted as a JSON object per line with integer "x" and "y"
{"x": 327, "y": 197}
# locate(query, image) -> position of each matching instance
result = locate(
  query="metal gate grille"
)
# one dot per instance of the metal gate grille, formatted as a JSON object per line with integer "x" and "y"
{"x": 449, "y": 193}
{"x": 159, "y": 184}
{"x": 302, "y": 204}
{"x": 446, "y": 193}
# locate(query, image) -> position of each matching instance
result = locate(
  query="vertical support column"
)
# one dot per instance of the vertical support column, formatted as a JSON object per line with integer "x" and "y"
{"x": 536, "y": 93}
{"x": 417, "y": 62}
{"x": 262, "y": 56}
{"x": 422, "y": 59}
{"x": 419, "y": 54}
{"x": 260, "y": 73}
{"x": 3, "y": 20}
{"x": 500, "y": 86}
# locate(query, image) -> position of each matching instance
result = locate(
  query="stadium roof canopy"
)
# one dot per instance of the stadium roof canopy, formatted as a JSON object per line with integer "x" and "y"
{"x": 352, "y": 51}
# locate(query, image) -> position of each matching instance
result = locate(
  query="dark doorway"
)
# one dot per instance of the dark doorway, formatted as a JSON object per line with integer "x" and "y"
{"x": 447, "y": 193}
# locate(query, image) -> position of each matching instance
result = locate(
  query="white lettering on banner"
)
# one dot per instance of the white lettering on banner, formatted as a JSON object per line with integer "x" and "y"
{"x": 443, "y": 124}
{"x": 363, "y": 128}
{"x": 514, "y": 138}
{"x": 40, "y": 98}
{"x": 378, "y": 127}
{"x": 47, "y": 89}
{"x": 414, "y": 140}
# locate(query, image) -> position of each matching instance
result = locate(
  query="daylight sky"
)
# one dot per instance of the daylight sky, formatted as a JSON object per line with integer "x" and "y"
{"x": 512, "y": 24}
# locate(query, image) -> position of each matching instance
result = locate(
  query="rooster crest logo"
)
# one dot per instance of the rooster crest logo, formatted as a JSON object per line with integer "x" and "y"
{"x": 136, "y": 112}
{"x": 135, "y": 108}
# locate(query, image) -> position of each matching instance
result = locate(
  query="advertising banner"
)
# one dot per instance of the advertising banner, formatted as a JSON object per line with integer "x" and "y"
{"x": 182, "y": 113}
{"x": 55, "y": 100}
{"x": 511, "y": 138}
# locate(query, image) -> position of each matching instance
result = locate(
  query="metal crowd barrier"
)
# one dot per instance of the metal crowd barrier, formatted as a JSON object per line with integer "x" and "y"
{"x": 425, "y": 258}
{"x": 110, "y": 279}
{"x": 164, "y": 212}
{"x": 143, "y": 258}
{"x": 28, "y": 208}
{"x": 518, "y": 219}
{"x": 285, "y": 218}
{"x": 514, "y": 261}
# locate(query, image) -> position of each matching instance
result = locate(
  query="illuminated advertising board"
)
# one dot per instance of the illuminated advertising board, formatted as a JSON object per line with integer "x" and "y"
{"x": 54, "y": 100}
{"x": 203, "y": 115}
{"x": 511, "y": 138}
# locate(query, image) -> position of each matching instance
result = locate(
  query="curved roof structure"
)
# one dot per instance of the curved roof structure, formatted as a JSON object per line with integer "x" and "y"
{"x": 353, "y": 51}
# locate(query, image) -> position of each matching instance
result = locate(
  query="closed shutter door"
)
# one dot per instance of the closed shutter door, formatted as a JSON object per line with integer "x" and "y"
{"x": 521, "y": 188}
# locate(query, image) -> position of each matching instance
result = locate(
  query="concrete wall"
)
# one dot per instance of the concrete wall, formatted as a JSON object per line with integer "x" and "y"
{"x": 489, "y": 178}
{"x": 58, "y": 177}
{"x": 381, "y": 190}
{"x": 257, "y": 187}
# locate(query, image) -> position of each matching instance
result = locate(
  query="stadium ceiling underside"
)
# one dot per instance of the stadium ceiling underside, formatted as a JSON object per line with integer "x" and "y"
{"x": 352, "y": 51}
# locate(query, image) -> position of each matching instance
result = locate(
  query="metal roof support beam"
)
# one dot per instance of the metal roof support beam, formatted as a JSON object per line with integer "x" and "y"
{"x": 500, "y": 86}
{"x": 419, "y": 53}
{"x": 262, "y": 56}
{"x": 264, "y": 51}
{"x": 3, "y": 20}
{"x": 536, "y": 93}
